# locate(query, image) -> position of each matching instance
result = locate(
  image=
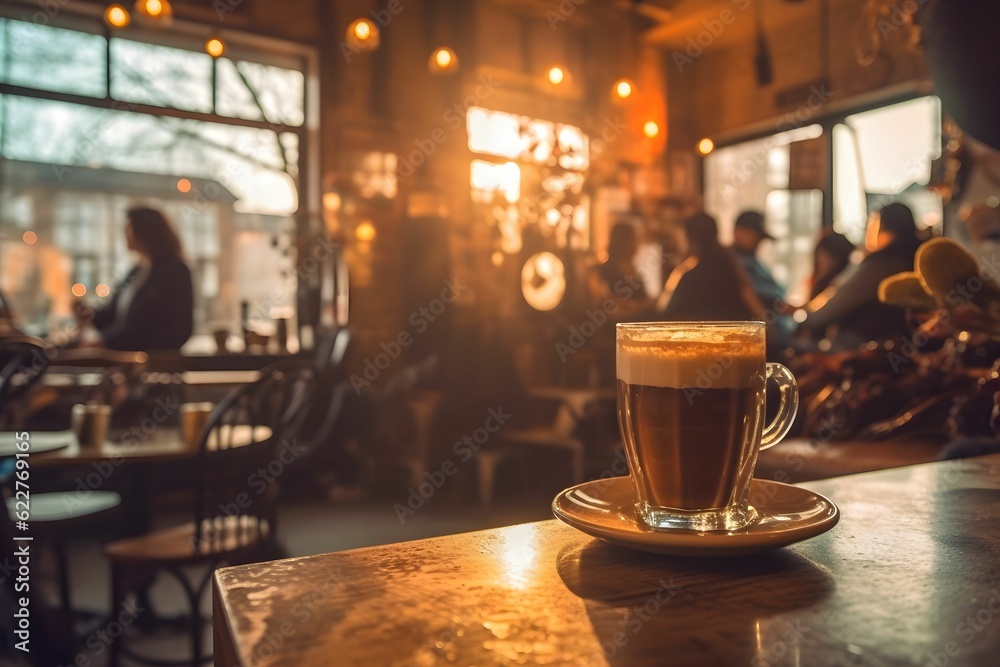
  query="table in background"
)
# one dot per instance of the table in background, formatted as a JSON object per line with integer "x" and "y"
{"x": 162, "y": 444}
{"x": 902, "y": 580}
{"x": 39, "y": 442}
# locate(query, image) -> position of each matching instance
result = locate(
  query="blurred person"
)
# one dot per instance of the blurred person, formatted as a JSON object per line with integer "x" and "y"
{"x": 748, "y": 233}
{"x": 831, "y": 258}
{"x": 152, "y": 308}
{"x": 618, "y": 278}
{"x": 710, "y": 285}
{"x": 852, "y": 314}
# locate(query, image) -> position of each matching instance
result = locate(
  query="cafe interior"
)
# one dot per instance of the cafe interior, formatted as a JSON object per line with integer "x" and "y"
{"x": 459, "y": 332}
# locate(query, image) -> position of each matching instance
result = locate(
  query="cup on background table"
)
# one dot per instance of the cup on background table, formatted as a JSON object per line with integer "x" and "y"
{"x": 221, "y": 341}
{"x": 90, "y": 423}
{"x": 691, "y": 411}
{"x": 194, "y": 416}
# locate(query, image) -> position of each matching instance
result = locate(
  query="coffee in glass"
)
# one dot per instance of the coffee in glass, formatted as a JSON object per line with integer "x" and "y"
{"x": 691, "y": 411}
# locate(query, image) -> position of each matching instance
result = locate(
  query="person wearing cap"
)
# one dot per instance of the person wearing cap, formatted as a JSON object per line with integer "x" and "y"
{"x": 748, "y": 233}
{"x": 853, "y": 315}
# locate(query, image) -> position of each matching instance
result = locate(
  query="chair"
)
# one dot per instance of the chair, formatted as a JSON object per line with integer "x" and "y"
{"x": 54, "y": 515}
{"x": 23, "y": 361}
{"x": 234, "y": 521}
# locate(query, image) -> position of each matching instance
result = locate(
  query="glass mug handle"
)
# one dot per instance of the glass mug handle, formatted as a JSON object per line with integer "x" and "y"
{"x": 787, "y": 407}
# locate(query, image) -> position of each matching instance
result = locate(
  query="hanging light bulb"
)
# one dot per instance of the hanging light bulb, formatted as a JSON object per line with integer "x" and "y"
{"x": 443, "y": 61}
{"x": 160, "y": 11}
{"x": 623, "y": 89}
{"x": 363, "y": 34}
{"x": 117, "y": 16}
{"x": 214, "y": 47}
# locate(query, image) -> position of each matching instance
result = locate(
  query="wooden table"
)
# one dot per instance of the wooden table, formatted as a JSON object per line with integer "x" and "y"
{"x": 910, "y": 576}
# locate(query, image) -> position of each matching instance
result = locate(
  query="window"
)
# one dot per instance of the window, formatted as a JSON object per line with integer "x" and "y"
{"x": 69, "y": 171}
{"x": 885, "y": 155}
{"x": 531, "y": 172}
{"x": 48, "y": 58}
{"x": 280, "y": 92}
{"x": 755, "y": 175}
{"x": 161, "y": 75}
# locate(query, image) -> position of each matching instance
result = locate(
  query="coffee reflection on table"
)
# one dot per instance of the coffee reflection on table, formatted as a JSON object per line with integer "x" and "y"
{"x": 694, "y": 610}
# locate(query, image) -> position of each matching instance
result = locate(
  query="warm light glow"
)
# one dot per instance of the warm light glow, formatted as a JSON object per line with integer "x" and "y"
{"x": 524, "y": 138}
{"x": 651, "y": 129}
{"x": 79, "y": 289}
{"x": 214, "y": 47}
{"x": 117, "y": 16}
{"x": 29, "y": 237}
{"x": 363, "y": 34}
{"x": 624, "y": 89}
{"x": 489, "y": 177}
{"x": 556, "y": 76}
{"x": 706, "y": 146}
{"x": 332, "y": 201}
{"x": 552, "y": 216}
{"x": 158, "y": 10}
{"x": 102, "y": 290}
{"x": 517, "y": 555}
{"x": 443, "y": 60}
{"x": 365, "y": 232}
{"x": 496, "y": 258}
{"x": 183, "y": 185}
{"x": 543, "y": 281}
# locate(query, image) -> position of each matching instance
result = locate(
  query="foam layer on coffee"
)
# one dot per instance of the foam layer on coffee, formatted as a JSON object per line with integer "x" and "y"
{"x": 681, "y": 364}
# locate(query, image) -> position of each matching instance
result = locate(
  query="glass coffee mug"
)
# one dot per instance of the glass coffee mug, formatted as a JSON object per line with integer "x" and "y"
{"x": 691, "y": 412}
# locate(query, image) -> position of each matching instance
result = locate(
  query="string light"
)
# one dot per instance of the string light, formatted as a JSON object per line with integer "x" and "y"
{"x": 363, "y": 34}
{"x": 556, "y": 76}
{"x": 117, "y": 16}
{"x": 650, "y": 129}
{"x": 443, "y": 60}
{"x": 623, "y": 89}
{"x": 706, "y": 146}
{"x": 214, "y": 47}
{"x": 154, "y": 10}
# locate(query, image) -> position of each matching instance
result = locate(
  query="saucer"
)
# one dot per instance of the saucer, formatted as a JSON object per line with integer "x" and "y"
{"x": 605, "y": 509}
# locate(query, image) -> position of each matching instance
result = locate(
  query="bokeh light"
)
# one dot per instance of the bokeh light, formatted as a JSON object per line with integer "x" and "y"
{"x": 78, "y": 289}
{"x": 443, "y": 60}
{"x": 214, "y": 47}
{"x": 650, "y": 129}
{"x": 556, "y": 76}
{"x": 706, "y": 146}
{"x": 363, "y": 34}
{"x": 102, "y": 290}
{"x": 623, "y": 89}
{"x": 29, "y": 237}
{"x": 117, "y": 16}
{"x": 183, "y": 185}
{"x": 365, "y": 232}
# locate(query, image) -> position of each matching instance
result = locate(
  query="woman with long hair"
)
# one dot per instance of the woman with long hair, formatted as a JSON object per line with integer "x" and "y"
{"x": 711, "y": 285}
{"x": 152, "y": 307}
